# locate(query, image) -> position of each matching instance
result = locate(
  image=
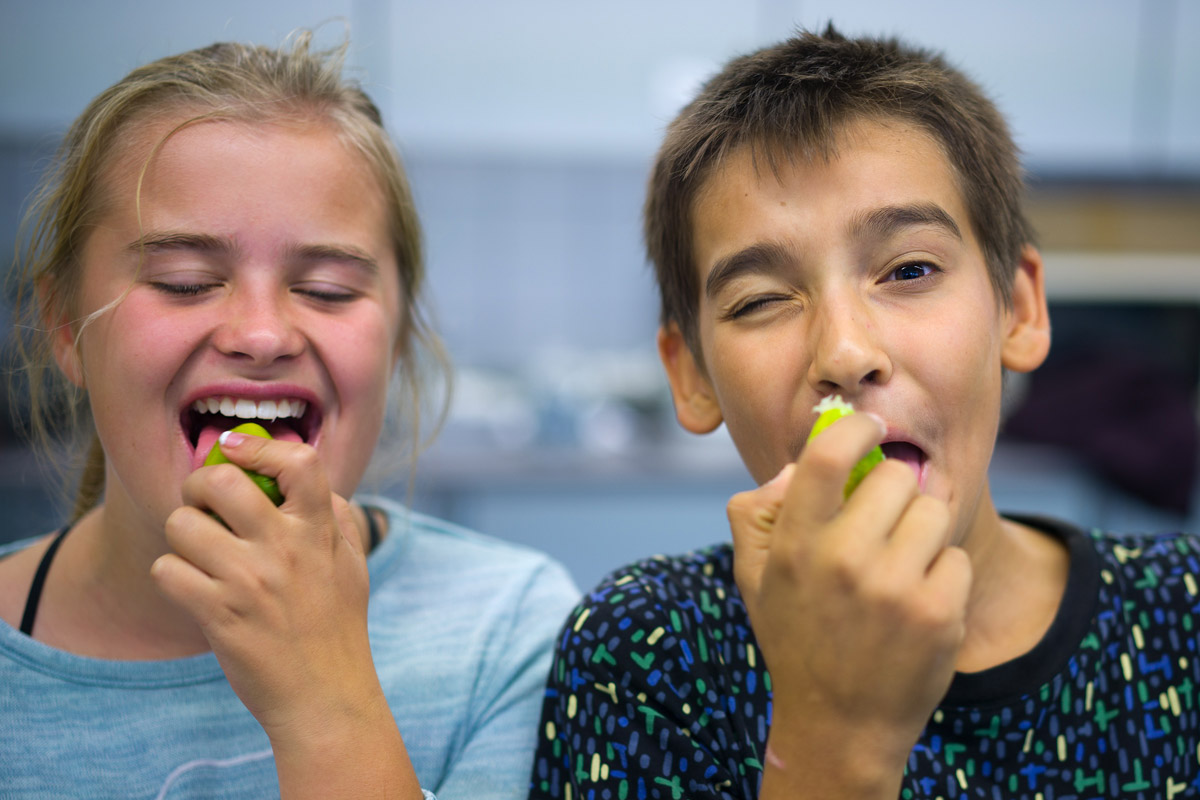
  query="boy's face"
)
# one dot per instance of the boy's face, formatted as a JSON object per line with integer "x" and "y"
{"x": 859, "y": 276}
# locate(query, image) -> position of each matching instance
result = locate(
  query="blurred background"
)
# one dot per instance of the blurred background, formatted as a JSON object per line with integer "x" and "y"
{"x": 528, "y": 127}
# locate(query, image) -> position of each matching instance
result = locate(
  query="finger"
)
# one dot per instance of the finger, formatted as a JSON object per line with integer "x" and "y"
{"x": 203, "y": 541}
{"x": 920, "y": 536}
{"x": 758, "y": 509}
{"x": 815, "y": 493}
{"x": 752, "y": 518}
{"x": 948, "y": 588}
{"x": 187, "y": 586}
{"x": 230, "y": 494}
{"x": 880, "y": 501}
{"x": 295, "y": 466}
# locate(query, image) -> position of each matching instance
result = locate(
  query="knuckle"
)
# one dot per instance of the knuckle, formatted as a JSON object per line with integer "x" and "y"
{"x": 898, "y": 474}
{"x": 224, "y": 477}
{"x": 307, "y": 458}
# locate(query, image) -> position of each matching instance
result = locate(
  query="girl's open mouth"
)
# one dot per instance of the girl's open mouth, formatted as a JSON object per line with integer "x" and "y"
{"x": 287, "y": 418}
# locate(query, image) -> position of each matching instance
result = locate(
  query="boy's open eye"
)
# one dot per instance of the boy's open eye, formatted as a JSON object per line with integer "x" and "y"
{"x": 911, "y": 271}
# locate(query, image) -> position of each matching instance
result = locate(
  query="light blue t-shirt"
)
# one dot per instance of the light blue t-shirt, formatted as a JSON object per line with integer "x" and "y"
{"x": 462, "y": 628}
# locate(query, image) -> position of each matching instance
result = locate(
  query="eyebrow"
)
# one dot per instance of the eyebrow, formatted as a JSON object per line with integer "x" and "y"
{"x": 883, "y": 222}
{"x": 219, "y": 245}
{"x": 762, "y": 258}
{"x": 345, "y": 253}
{"x": 181, "y": 241}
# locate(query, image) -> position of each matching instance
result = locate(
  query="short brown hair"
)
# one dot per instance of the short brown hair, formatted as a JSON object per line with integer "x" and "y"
{"x": 794, "y": 98}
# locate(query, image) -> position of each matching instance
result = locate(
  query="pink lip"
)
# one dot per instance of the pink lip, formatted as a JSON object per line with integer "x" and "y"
{"x": 253, "y": 391}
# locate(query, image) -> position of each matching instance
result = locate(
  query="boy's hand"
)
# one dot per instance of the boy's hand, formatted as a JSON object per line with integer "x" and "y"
{"x": 859, "y": 608}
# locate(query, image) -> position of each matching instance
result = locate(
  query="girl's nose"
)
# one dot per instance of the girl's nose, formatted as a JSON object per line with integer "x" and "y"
{"x": 847, "y": 350}
{"x": 258, "y": 328}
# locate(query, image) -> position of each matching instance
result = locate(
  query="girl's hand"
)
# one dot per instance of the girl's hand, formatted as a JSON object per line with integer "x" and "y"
{"x": 281, "y": 595}
{"x": 859, "y": 608}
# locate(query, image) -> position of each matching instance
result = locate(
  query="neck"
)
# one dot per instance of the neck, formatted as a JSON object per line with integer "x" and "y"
{"x": 1020, "y": 575}
{"x": 100, "y": 600}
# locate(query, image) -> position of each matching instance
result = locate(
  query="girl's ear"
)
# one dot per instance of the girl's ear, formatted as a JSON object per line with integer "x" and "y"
{"x": 1027, "y": 338}
{"x": 62, "y": 337}
{"x": 696, "y": 405}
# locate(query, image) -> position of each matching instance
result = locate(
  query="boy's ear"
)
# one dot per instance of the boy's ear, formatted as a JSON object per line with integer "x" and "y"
{"x": 695, "y": 402}
{"x": 1027, "y": 338}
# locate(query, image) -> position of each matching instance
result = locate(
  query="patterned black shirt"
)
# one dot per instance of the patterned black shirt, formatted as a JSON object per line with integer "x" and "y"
{"x": 659, "y": 691}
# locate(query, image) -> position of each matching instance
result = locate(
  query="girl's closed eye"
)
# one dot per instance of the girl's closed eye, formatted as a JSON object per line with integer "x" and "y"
{"x": 185, "y": 288}
{"x": 327, "y": 293}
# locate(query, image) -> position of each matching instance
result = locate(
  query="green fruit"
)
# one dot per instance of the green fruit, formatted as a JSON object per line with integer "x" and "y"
{"x": 268, "y": 485}
{"x": 831, "y": 410}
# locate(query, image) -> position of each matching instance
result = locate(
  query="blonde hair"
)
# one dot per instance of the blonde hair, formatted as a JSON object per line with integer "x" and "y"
{"x": 225, "y": 80}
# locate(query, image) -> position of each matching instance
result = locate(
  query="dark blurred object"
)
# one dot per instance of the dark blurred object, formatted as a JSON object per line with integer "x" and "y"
{"x": 1120, "y": 390}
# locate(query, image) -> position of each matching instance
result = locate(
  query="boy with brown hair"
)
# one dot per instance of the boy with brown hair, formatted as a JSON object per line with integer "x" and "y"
{"x": 837, "y": 216}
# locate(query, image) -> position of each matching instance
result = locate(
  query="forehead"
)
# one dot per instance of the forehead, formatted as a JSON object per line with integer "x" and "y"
{"x": 147, "y": 143}
{"x": 751, "y": 197}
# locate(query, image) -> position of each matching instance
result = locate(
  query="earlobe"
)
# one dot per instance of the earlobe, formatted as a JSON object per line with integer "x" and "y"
{"x": 696, "y": 406}
{"x": 1027, "y": 338}
{"x": 62, "y": 337}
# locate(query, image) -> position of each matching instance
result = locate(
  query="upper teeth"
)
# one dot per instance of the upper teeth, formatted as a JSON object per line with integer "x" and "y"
{"x": 243, "y": 408}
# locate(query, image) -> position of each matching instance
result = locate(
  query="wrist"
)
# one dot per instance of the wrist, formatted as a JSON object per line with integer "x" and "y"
{"x": 833, "y": 758}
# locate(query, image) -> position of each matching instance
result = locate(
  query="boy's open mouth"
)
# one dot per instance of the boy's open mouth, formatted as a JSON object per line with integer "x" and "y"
{"x": 287, "y": 418}
{"x": 910, "y": 454}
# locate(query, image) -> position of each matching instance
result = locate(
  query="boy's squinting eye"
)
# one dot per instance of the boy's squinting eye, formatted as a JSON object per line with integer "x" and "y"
{"x": 747, "y": 307}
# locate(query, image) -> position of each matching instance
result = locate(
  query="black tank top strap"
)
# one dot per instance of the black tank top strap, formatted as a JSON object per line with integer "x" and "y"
{"x": 373, "y": 533}
{"x": 39, "y": 581}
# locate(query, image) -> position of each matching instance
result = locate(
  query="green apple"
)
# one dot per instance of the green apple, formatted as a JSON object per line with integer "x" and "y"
{"x": 268, "y": 485}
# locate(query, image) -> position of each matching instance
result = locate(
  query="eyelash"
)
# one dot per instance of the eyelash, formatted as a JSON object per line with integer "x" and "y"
{"x": 182, "y": 289}
{"x": 185, "y": 290}
{"x": 755, "y": 303}
{"x": 908, "y": 265}
{"x": 751, "y": 305}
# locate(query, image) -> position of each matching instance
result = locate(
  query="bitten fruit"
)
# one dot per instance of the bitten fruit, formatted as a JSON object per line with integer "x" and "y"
{"x": 831, "y": 409}
{"x": 268, "y": 485}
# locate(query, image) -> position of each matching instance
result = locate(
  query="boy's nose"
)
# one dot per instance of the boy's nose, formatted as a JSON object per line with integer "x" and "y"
{"x": 258, "y": 328}
{"x": 847, "y": 351}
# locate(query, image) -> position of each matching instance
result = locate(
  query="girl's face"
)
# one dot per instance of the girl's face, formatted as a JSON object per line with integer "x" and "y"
{"x": 260, "y": 281}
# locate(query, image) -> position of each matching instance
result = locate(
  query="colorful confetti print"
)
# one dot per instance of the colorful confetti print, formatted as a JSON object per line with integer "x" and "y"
{"x": 658, "y": 690}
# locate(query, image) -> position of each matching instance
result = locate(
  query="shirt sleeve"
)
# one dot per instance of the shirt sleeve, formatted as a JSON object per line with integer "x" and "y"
{"x": 630, "y": 709}
{"x": 493, "y": 763}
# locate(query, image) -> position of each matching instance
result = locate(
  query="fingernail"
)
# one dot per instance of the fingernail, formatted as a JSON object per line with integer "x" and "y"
{"x": 231, "y": 439}
{"x": 782, "y": 474}
{"x": 879, "y": 421}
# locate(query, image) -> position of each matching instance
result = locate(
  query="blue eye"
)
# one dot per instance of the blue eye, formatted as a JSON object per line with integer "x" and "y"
{"x": 911, "y": 272}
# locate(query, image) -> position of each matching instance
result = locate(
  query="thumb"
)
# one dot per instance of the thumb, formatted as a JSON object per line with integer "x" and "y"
{"x": 752, "y": 517}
